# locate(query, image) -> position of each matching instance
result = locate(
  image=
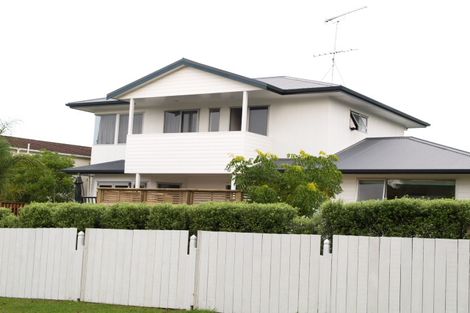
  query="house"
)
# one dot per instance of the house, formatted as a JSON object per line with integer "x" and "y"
{"x": 179, "y": 126}
{"x": 80, "y": 154}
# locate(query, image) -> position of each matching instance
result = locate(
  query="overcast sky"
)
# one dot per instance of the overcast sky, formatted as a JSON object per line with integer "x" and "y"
{"x": 413, "y": 55}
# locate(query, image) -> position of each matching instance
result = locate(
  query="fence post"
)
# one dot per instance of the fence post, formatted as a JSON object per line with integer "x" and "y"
{"x": 79, "y": 264}
{"x": 192, "y": 272}
{"x": 326, "y": 246}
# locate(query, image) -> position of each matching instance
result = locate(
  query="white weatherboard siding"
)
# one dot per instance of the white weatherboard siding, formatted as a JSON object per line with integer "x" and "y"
{"x": 350, "y": 183}
{"x": 187, "y": 81}
{"x": 339, "y": 134}
{"x": 40, "y": 263}
{"x": 186, "y": 153}
{"x": 107, "y": 153}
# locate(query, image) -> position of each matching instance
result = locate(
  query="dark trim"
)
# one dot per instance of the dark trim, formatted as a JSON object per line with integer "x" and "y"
{"x": 73, "y": 105}
{"x": 73, "y": 171}
{"x": 406, "y": 171}
{"x": 185, "y": 62}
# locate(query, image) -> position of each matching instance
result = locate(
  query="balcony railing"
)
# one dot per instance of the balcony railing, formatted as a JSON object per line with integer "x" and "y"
{"x": 190, "y": 153}
{"x": 167, "y": 195}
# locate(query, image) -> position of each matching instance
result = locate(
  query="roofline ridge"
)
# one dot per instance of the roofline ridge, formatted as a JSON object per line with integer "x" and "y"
{"x": 53, "y": 142}
{"x": 440, "y": 146}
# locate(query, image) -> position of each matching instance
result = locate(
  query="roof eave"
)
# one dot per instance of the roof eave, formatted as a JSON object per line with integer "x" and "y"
{"x": 405, "y": 171}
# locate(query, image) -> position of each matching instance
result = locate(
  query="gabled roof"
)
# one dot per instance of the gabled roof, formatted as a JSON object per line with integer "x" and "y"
{"x": 22, "y": 143}
{"x": 113, "y": 167}
{"x": 282, "y": 85}
{"x": 402, "y": 155}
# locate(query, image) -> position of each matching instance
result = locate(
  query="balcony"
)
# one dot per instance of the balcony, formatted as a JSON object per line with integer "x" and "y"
{"x": 190, "y": 153}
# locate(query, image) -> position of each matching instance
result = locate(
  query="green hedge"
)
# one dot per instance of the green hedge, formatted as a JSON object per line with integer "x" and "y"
{"x": 240, "y": 217}
{"x": 400, "y": 217}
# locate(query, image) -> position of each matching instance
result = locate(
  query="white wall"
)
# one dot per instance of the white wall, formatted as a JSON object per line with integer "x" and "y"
{"x": 350, "y": 183}
{"x": 187, "y": 81}
{"x": 192, "y": 153}
{"x": 107, "y": 153}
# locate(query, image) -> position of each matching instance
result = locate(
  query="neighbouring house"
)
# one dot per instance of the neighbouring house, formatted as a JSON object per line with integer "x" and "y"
{"x": 80, "y": 154}
{"x": 179, "y": 126}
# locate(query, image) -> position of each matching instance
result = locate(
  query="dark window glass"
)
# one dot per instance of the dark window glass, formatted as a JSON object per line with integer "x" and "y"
{"x": 235, "y": 119}
{"x": 358, "y": 122}
{"x": 214, "y": 119}
{"x": 370, "y": 189}
{"x": 426, "y": 189}
{"x": 172, "y": 123}
{"x": 189, "y": 123}
{"x": 258, "y": 120}
{"x": 105, "y": 129}
{"x": 168, "y": 185}
{"x": 123, "y": 125}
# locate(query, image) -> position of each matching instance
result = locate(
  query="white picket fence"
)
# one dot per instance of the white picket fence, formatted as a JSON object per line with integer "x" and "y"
{"x": 138, "y": 267}
{"x": 237, "y": 272}
{"x": 40, "y": 263}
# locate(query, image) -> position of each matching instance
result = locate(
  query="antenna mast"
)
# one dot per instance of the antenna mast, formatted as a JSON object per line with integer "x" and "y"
{"x": 336, "y": 20}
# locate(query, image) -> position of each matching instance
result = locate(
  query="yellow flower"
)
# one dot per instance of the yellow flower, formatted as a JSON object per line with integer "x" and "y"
{"x": 312, "y": 187}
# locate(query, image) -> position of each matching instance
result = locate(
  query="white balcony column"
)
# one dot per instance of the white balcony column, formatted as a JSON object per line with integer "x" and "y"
{"x": 232, "y": 183}
{"x": 137, "y": 180}
{"x": 130, "y": 124}
{"x": 244, "y": 111}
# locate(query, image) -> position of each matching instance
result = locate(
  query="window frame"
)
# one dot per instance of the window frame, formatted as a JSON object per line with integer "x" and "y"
{"x": 259, "y": 107}
{"x": 210, "y": 124}
{"x": 356, "y": 126}
{"x": 117, "y": 125}
{"x": 118, "y": 121}
{"x": 384, "y": 187}
{"x": 230, "y": 118}
{"x": 180, "y": 128}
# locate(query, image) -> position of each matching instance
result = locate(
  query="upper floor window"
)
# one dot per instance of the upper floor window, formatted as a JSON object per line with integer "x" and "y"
{"x": 235, "y": 119}
{"x": 214, "y": 120}
{"x": 124, "y": 124}
{"x": 180, "y": 122}
{"x": 258, "y": 120}
{"x": 105, "y": 128}
{"x": 358, "y": 122}
{"x": 106, "y": 132}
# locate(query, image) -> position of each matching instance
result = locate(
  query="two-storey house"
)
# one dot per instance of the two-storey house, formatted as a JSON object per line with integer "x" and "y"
{"x": 178, "y": 127}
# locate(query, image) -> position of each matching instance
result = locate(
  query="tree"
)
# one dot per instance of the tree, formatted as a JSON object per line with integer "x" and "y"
{"x": 304, "y": 181}
{"x": 5, "y": 161}
{"x": 39, "y": 177}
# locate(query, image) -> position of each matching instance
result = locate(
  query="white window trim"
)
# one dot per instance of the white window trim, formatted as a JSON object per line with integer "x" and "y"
{"x": 351, "y": 114}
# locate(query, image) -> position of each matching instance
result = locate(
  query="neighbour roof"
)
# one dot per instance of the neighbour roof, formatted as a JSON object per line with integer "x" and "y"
{"x": 282, "y": 85}
{"x": 17, "y": 142}
{"x": 113, "y": 167}
{"x": 402, "y": 155}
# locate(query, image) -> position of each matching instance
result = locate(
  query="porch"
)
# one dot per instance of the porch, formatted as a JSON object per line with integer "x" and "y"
{"x": 166, "y": 195}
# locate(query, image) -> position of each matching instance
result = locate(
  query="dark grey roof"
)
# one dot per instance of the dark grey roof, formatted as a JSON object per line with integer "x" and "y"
{"x": 293, "y": 83}
{"x": 282, "y": 85}
{"x": 113, "y": 167}
{"x": 94, "y": 102}
{"x": 402, "y": 155}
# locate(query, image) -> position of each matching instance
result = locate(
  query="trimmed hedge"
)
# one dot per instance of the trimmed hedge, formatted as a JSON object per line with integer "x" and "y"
{"x": 399, "y": 217}
{"x": 235, "y": 217}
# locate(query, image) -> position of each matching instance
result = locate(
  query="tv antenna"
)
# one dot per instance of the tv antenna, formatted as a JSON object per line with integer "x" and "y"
{"x": 334, "y": 52}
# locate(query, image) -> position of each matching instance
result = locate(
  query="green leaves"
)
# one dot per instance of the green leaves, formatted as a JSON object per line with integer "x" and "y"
{"x": 399, "y": 217}
{"x": 306, "y": 181}
{"x": 38, "y": 177}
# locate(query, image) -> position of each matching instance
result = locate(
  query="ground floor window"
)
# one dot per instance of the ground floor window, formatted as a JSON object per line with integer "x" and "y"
{"x": 120, "y": 184}
{"x": 168, "y": 185}
{"x": 412, "y": 188}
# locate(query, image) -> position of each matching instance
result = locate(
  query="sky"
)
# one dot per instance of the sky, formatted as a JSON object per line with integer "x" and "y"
{"x": 412, "y": 55}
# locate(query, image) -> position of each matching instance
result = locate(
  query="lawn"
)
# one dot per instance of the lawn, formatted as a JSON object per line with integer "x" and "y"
{"x": 13, "y": 305}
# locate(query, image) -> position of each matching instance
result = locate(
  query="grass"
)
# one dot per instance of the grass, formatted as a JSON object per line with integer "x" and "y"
{"x": 13, "y": 305}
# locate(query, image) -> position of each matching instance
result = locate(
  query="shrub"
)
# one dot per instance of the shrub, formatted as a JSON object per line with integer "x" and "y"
{"x": 125, "y": 216}
{"x": 4, "y": 212}
{"x": 37, "y": 215}
{"x": 77, "y": 215}
{"x": 304, "y": 225}
{"x": 168, "y": 216}
{"x": 399, "y": 217}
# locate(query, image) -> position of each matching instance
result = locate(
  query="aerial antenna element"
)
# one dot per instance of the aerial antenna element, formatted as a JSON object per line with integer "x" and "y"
{"x": 334, "y": 52}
